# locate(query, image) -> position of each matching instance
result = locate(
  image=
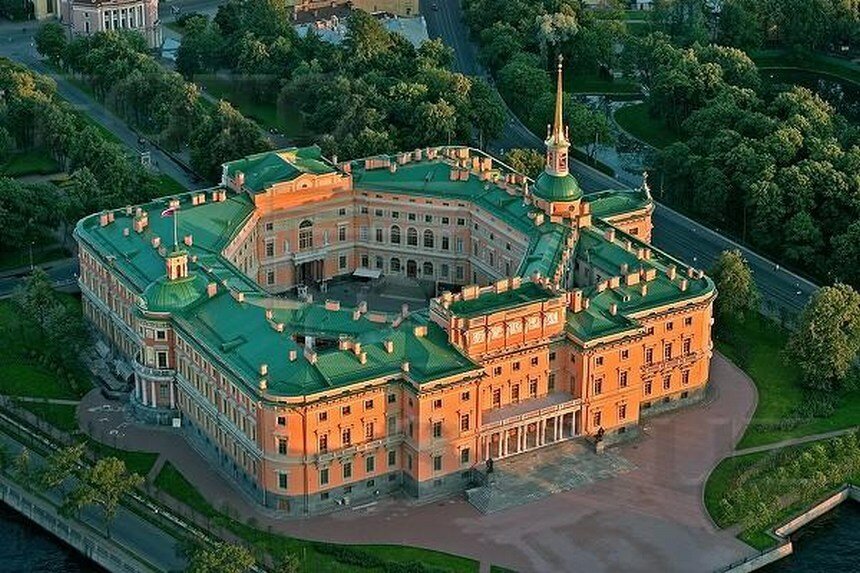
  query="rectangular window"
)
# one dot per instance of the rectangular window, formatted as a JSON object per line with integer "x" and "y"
{"x": 363, "y": 210}
{"x": 622, "y": 412}
{"x": 534, "y": 361}
{"x": 437, "y": 429}
{"x": 346, "y": 411}
{"x": 649, "y": 356}
{"x": 368, "y": 404}
{"x": 533, "y": 389}
{"x": 391, "y": 425}
{"x": 282, "y": 446}
{"x": 378, "y": 212}
{"x": 670, "y": 326}
{"x": 648, "y": 388}
{"x": 437, "y": 463}
{"x": 445, "y": 221}
{"x": 395, "y": 214}
{"x": 516, "y": 366}
{"x": 667, "y": 351}
{"x": 347, "y": 470}
{"x": 461, "y": 222}
{"x": 363, "y": 233}
{"x": 324, "y": 476}
{"x": 428, "y": 218}
{"x": 365, "y": 262}
{"x": 342, "y": 211}
{"x": 465, "y": 456}
{"x": 392, "y": 457}
{"x": 341, "y": 233}
{"x": 622, "y": 379}
{"x": 465, "y": 396}
{"x": 598, "y": 361}
{"x": 446, "y": 243}
{"x": 323, "y": 416}
{"x": 323, "y": 443}
{"x": 597, "y": 419}
{"x": 688, "y": 321}
{"x": 437, "y": 403}
{"x": 515, "y": 393}
{"x": 346, "y": 437}
{"x": 625, "y": 354}
{"x": 379, "y": 235}
{"x": 270, "y": 277}
{"x": 685, "y": 378}
{"x": 282, "y": 480}
{"x": 444, "y": 270}
{"x": 497, "y": 398}
{"x": 688, "y": 343}
{"x": 392, "y": 398}
{"x": 461, "y": 273}
{"x": 270, "y": 227}
{"x": 282, "y": 420}
{"x": 411, "y": 216}
{"x": 667, "y": 382}
{"x": 464, "y": 423}
{"x": 370, "y": 464}
{"x": 341, "y": 261}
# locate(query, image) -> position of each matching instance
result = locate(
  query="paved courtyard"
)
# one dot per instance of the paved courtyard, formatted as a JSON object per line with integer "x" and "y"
{"x": 649, "y": 518}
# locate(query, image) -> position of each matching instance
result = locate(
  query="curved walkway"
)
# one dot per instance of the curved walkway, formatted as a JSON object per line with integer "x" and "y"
{"x": 649, "y": 519}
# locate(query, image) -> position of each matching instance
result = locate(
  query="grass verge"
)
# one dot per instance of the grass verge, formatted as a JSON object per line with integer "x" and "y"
{"x": 167, "y": 185}
{"x": 137, "y": 462}
{"x": 62, "y": 416}
{"x": 815, "y": 63}
{"x": 21, "y": 258}
{"x": 635, "y": 120}
{"x": 594, "y": 84}
{"x": 756, "y": 346}
{"x": 314, "y": 556}
{"x": 761, "y": 491}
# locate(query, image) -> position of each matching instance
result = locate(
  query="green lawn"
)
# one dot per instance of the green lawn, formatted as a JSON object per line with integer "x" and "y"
{"x": 595, "y": 84}
{"x": 756, "y": 346}
{"x": 21, "y": 258}
{"x": 61, "y": 416}
{"x": 265, "y": 113}
{"x": 20, "y": 374}
{"x": 314, "y": 556}
{"x": 169, "y": 186}
{"x": 763, "y": 490}
{"x": 32, "y": 162}
{"x": 636, "y": 121}
{"x": 137, "y": 462}
{"x": 816, "y": 63}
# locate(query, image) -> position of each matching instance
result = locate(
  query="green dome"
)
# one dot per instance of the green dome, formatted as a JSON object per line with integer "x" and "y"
{"x": 557, "y": 187}
{"x": 165, "y": 295}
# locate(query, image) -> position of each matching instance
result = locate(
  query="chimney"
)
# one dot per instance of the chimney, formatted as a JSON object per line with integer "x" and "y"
{"x": 211, "y": 289}
{"x": 404, "y": 367}
{"x": 609, "y": 234}
{"x": 263, "y": 385}
{"x": 683, "y": 285}
{"x": 670, "y": 272}
{"x": 576, "y": 301}
{"x": 293, "y": 355}
{"x": 356, "y": 348}
{"x": 103, "y": 220}
{"x": 125, "y": 232}
{"x": 420, "y": 331}
{"x": 613, "y": 309}
{"x": 644, "y": 290}
{"x": 362, "y": 358}
{"x": 188, "y": 240}
{"x": 240, "y": 296}
{"x": 389, "y": 346}
{"x": 264, "y": 369}
{"x": 156, "y": 242}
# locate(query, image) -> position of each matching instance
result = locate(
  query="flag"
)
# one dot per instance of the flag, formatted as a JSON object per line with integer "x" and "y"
{"x": 169, "y": 211}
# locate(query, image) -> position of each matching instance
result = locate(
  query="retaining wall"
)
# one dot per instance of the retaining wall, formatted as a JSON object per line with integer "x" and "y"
{"x": 105, "y": 552}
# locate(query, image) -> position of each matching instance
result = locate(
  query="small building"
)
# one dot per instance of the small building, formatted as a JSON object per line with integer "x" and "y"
{"x": 85, "y": 17}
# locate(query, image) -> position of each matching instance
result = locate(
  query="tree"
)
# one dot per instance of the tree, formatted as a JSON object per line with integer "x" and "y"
{"x": 51, "y": 41}
{"x": 826, "y": 343}
{"x": 22, "y": 468}
{"x": 223, "y": 136}
{"x": 487, "y": 110}
{"x": 555, "y": 29}
{"x": 737, "y": 293}
{"x": 103, "y": 485}
{"x": 289, "y": 563}
{"x": 221, "y": 558}
{"x": 526, "y": 161}
{"x": 845, "y": 260}
{"x": 522, "y": 81}
{"x": 61, "y": 465}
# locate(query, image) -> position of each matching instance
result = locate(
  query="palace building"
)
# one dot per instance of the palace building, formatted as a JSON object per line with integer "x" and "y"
{"x": 556, "y": 320}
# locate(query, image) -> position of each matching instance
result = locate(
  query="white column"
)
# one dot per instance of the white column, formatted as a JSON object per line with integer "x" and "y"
{"x": 507, "y": 439}
{"x": 521, "y": 436}
{"x": 152, "y": 396}
{"x": 500, "y": 445}
{"x": 541, "y": 431}
{"x": 141, "y": 390}
{"x": 172, "y": 397}
{"x": 558, "y": 426}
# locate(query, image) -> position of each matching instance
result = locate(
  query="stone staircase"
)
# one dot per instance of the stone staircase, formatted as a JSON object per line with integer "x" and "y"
{"x": 535, "y": 475}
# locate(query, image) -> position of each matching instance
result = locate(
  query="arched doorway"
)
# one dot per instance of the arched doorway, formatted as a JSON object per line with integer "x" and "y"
{"x": 411, "y": 269}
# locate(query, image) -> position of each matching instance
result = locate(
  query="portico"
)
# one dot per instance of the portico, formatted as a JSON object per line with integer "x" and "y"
{"x": 529, "y": 425}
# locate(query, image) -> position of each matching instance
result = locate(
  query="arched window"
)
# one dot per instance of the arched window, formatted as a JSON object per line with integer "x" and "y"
{"x": 429, "y": 239}
{"x": 427, "y": 269}
{"x": 395, "y": 265}
{"x": 306, "y": 234}
{"x": 395, "y": 234}
{"x": 412, "y": 237}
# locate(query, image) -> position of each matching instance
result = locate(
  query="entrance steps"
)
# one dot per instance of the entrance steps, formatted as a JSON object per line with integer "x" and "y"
{"x": 538, "y": 474}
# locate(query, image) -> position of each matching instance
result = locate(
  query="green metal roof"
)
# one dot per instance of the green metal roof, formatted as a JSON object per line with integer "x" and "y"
{"x": 557, "y": 187}
{"x": 607, "y": 204}
{"x": 165, "y": 295}
{"x": 527, "y": 293}
{"x": 265, "y": 169}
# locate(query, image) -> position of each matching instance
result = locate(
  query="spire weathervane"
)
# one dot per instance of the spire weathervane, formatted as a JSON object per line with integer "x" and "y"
{"x": 558, "y": 123}
{"x": 557, "y": 143}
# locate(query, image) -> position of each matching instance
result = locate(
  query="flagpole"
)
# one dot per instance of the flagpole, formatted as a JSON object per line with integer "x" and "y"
{"x": 175, "y": 233}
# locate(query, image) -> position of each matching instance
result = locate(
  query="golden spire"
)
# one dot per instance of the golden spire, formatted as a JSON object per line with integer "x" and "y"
{"x": 558, "y": 123}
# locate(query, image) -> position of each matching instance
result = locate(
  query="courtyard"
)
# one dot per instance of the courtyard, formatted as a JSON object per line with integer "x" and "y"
{"x": 645, "y": 515}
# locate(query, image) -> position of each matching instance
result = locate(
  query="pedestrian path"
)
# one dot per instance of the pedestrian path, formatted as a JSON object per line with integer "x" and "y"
{"x": 42, "y": 400}
{"x": 792, "y": 442}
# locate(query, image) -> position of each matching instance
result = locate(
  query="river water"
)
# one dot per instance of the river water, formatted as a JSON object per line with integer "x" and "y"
{"x": 829, "y": 544}
{"x": 27, "y": 548}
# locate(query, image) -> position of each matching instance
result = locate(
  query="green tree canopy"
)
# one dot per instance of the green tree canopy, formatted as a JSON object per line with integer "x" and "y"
{"x": 221, "y": 558}
{"x": 737, "y": 293}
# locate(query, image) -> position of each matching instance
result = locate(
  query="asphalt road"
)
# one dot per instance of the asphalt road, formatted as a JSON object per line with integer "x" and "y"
{"x": 63, "y": 273}
{"x": 783, "y": 293}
